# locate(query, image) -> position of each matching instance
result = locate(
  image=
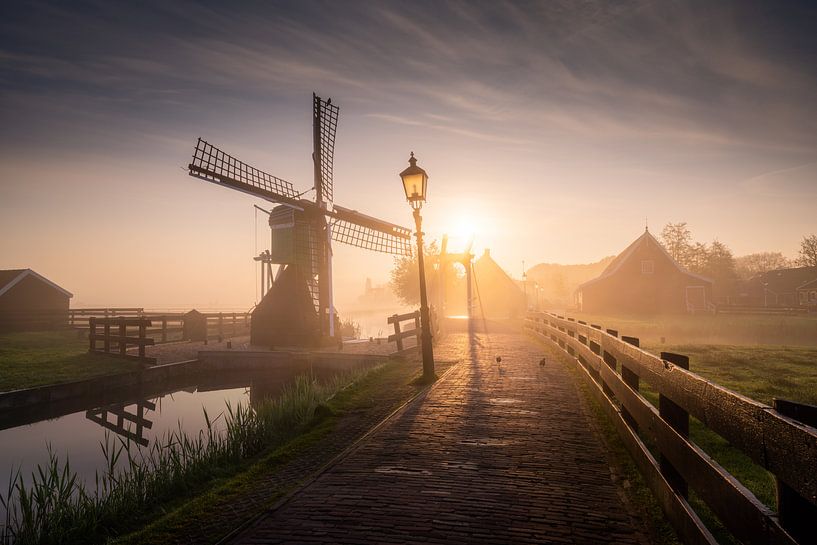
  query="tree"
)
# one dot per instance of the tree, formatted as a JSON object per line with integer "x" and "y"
{"x": 678, "y": 241}
{"x": 808, "y": 252}
{"x": 697, "y": 257}
{"x": 720, "y": 266}
{"x": 405, "y": 276}
{"x": 751, "y": 265}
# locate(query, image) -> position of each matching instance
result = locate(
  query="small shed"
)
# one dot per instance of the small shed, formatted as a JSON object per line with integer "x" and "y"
{"x": 645, "y": 279}
{"x": 30, "y": 301}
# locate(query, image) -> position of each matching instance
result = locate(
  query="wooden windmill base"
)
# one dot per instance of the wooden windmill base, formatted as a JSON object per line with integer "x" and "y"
{"x": 286, "y": 317}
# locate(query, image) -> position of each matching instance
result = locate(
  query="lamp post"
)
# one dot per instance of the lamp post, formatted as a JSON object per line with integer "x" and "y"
{"x": 415, "y": 184}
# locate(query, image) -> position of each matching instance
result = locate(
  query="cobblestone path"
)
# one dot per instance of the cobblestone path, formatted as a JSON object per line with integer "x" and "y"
{"x": 500, "y": 453}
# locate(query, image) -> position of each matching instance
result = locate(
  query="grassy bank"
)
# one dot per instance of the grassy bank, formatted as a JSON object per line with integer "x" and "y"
{"x": 731, "y": 329}
{"x": 184, "y": 480}
{"x": 207, "y": 507}
{"x": 38, "y": 358}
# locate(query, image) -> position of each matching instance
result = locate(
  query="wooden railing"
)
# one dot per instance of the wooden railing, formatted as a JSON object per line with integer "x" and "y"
{"x": 784, "y": 446}
{"x": 399, "y": 334}
{"x": 167, "y": 326}
{"x": 118, "y": 341}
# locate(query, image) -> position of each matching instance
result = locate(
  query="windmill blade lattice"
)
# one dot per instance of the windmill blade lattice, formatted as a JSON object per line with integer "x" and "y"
{"x": 356, "y": 229}
{"x": 326, "y": 118}
{"x": 213, "y": 165}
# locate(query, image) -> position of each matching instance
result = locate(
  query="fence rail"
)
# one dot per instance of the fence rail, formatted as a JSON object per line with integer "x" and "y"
{"x": 117, "y": 343}
{"x": 399, "y": 334}
{"x": 784, "y": 446}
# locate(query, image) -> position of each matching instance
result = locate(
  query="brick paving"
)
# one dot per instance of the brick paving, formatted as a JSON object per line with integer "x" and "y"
{"x": 492, "y": 454}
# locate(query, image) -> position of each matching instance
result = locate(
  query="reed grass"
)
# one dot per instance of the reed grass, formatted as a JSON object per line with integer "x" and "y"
{"x": 55, "y": 507}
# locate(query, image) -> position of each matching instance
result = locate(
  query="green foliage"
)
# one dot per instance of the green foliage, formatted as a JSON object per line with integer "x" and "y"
{"x": 37, "y": 358}
{"x": 405, "y": 275}
{"x": 54, "y": 507}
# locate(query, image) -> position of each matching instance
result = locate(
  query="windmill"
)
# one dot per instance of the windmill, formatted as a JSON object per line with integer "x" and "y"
{"x": 297, "y": 307}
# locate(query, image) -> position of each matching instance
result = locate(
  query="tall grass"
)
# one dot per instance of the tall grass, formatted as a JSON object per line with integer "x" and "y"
{"x": 55, "y": 507}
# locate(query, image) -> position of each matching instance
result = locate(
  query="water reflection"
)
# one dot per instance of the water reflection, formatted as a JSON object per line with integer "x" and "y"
{"x": 123, "y": 421}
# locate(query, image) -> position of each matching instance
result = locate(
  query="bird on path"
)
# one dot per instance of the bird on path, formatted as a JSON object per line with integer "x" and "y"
{"x": 499, "y": 359}
{"x": 542, "y": 362}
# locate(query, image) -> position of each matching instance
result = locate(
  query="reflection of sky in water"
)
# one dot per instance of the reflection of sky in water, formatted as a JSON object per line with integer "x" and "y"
{"x": 78, "y": 437}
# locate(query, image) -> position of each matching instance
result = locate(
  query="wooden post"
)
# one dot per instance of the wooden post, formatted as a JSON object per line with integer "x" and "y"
{"x": 123, "y": 330}
{"x": 92, "y": 333}
{"x": 417, "y": 327}
{"x": 797, "y": 514}
{"x": 631, "y": 380}
{"x": 610, "y": 360}
{"x": 234, "y": 326}
{"x": 164, "y": 329}
{"x": 106, "y": 343}
{"x": 220, "y": 327}
{"x": 678, "y": 418}
{"x": 142, "y": 336}
{"x": 397, "y": 333}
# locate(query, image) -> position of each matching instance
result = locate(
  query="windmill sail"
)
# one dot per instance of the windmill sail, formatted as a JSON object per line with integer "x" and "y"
{"x": 325, "y": 126}
{"x": 356, "y": 229}
{"x": 213, "y": 165}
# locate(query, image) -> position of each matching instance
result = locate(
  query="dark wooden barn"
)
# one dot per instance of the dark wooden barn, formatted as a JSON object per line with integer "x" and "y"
{"x": 645, "y": 279}
{"x": 780, "y": 288}
{"x": 29, "y": 301}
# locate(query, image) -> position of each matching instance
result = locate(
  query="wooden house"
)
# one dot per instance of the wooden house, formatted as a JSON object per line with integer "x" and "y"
{"x": 645, "y": 279}
{"x": 496, "y": 294}
{"x": 29, "y": 301}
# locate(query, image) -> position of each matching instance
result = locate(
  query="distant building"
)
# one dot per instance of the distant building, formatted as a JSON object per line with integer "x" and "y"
{"x": 29, "y": 301}
{"x": 496, "y": 294}
{"x": 807, "y": 294}
{"x": 781, "y": 288}
{"x": 645, "y": 279}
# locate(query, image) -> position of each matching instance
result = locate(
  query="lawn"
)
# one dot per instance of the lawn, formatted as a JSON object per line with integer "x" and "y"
{"x": 38, "y": 358}
{"x": 730, "y": 329}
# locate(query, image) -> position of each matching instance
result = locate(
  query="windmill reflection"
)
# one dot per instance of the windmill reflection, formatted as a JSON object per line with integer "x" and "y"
{"x": 118, "y": 420}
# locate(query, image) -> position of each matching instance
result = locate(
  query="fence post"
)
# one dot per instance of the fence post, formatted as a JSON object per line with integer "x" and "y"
{"x": 417, "y": 328}
{"x": 92, "y": 333}
{"x": 164, "y": 329}
{"x": 123, "y": 330}
{"x": 610, "y": 360}
{"x": 630, "y": 379}
{"x": 234, "y": 324}
{"x": 142, "y": 336}
{"x": 220, "y": 327}
{"x": 107, "y": 340}
{"x": 797, "y": 514}
{"x": 678, "y": 418}
{"x": 397, "y": 333}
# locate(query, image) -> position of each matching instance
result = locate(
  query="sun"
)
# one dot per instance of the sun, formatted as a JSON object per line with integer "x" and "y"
{"x": 462, "y": 226}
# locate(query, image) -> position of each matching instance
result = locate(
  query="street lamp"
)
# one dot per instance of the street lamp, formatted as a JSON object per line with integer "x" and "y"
{"x": 415, "y": 184}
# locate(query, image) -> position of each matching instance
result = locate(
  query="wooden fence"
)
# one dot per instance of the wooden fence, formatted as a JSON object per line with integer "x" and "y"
{"x": 787, "y": 448}
{"x": 399, "y": 335}
{"x": 117, "y": 342}
{"x": 167, "y": 326}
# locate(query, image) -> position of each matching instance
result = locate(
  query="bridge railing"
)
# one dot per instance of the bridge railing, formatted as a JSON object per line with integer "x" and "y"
{"x": 784, "y": 446}
{"x": 399, "y": 334}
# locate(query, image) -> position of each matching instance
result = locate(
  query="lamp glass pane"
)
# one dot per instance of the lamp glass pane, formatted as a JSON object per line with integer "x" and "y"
{"x": 414, "y": 186}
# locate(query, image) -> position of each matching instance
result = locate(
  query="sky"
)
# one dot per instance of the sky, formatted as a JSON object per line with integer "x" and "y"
{"x": 552, "y": 131}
